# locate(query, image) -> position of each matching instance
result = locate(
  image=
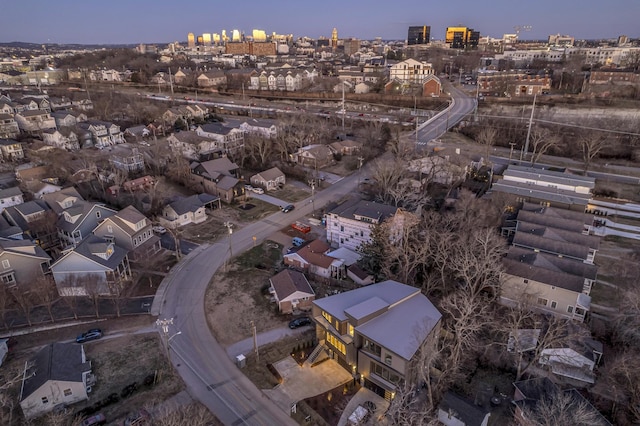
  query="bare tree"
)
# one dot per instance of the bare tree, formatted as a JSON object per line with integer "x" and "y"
{"x": 25, "y": 300}
{"x": 260, "y": 149}
{"x": 8, "y": 388}
{"x": 487, "y": 137}
{"x": 591, "y": 143}
{"x": 541, "y": 141}
{"x": 4, "y": 301}
{"x": 45, "y": 292}
{"x": 562, "y": 408}
{"x": 94, "y": 288}
{"x": 620, "y": 379}
{"x": 388, "y": 177}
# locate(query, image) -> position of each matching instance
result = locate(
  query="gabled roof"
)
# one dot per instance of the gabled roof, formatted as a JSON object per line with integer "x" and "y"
{"x": 314, "y": 254}
{"x": 10, "y": 192}
{"x": 287, "y": 282}
{"x": 216, "y": 128}
{"x": 56, "y": 361}
{"x": 192, "y": 203}
{"x": 23, "y": 248}
{"x": 271, "y": 174}
{"x": 90, "y": 247}
{"x": 54, "y": 199}
{"x": 466, "y": 411}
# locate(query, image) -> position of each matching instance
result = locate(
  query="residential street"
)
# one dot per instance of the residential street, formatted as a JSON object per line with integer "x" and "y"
{"x": 208, "y": 371}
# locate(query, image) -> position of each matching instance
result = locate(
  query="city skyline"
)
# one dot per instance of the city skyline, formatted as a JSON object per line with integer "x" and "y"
{"x": 146, "y": 21}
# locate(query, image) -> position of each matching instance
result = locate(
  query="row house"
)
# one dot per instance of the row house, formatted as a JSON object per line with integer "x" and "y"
{"x": 35, "y": 221}
{"x": 228, "y": 139}
{"x": 183, "y": 76}
{"x": 96, "y": 266}
{"x": 102, "y": 133}
{"x": 284, "y": 80}
{"x": 11, "y": 149}
{"x": 64, "y": 138}
{"x": 218, "y": 177}
{"x": 350, "y": 224}
{"x": 186, "y": 113}
{"x": 22, "y": 262}
{"x": 57, "y": 103}
{"x": 35, "y": 121}
{"x": 66, "y": 118}
{"x": 131, "y": 230}
{"x": 106, "y": 75}
{"x": 24, "y": 104}
{"x": 192, "y": 146}
{"x": 612, "y": 76}
{"x": 513, "y": 83}
{"x": 6, "y": 108}
{"x": 550, "y": 264}
{"x": 10, "y": 197}
{"x": 352, "y": 76}
{"x": 8, "y": 126}
{"x": 131, "y": 161}
{"x": 78, "y": 221}
{"x": 377, "y": 333}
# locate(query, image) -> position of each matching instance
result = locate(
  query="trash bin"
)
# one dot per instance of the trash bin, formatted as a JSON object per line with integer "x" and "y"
{"x": 241, "y": 361}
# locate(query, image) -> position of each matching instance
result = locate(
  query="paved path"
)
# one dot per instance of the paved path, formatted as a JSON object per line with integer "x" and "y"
{"x": 269, "y": 199}
{"x": 245, "y": 346}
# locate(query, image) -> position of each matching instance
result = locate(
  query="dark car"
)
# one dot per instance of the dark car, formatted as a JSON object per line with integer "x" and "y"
{"x": 93, "y": 334}
{"x": 97, "y": 419}
{"x": 300, "y": 322}
{"x": 287, "y": 209}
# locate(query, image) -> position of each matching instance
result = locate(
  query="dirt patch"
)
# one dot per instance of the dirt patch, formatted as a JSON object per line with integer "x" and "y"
{"x": 149, "y": 273}
{"x": 291, "y": 193}
{"x": 238, "y": 296}
{"x": 136, "y": 362}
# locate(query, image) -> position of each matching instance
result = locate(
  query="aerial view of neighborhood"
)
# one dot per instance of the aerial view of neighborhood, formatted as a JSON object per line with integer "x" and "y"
{"x": 241, "y": 214}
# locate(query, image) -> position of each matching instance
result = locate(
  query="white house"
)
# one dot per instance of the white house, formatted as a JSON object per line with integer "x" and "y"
{"x": 410, "y": 71}
{"x": 349, "y": 225}
{"x": 57, "y": 375}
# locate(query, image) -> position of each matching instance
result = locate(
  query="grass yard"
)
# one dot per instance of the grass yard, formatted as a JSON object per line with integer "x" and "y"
{"x": 291, "y": 193}
{"x": 260, "y": 209}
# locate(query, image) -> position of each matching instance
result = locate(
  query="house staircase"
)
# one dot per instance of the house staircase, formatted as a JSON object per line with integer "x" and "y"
{"x": 317, "y": 356}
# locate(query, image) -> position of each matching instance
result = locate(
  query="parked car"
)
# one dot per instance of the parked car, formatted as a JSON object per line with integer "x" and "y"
{"x": 139, "y": 418}
{"x": 93, "y": 334}
{"x": 300, "y": 322}
{"x": 97, "y": 419}
{"x": 288, "y": 208}
{"x": 248, "y": 188}
{"x": 159, "y": 230}
{"x": 258, "y": 190}
{"x": 297, "y": 241}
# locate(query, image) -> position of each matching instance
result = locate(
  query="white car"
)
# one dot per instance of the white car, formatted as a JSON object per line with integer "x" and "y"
{"x": 248, "y": 187}
{"x": 159, "y": 230}
{"x": 258, "y": 190}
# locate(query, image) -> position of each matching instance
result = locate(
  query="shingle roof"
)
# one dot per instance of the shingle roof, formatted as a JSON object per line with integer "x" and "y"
{"x": 287, "y": 282}
{"x": 192, "y": 203}
{"x": 469, "y": 413}
{"x": 92, "y": 245}
{"x": 10, "y": 192}
{"x": 369, "y": 209}
{"x": 271, "y": 174}
{"x": 313, "y": 253}
{"x": 56, "y": 361}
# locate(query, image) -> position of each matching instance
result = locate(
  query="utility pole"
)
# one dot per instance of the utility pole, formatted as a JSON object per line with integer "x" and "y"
{"x": 255, "y": 341}
{"x": 526, "y": 144}
{"x": 511, "y": 151}
{"x": 170, "y": 82}
{"x": 312, "y": 183}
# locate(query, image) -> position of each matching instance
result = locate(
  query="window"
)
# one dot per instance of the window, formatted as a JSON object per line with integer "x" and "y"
{"x": 336, "y": 343}
{"x": 350, "y": 330}
{"x": 387, "y": 359}
{"x": 570, "y": 309}
{"x": 5, "y": 264}
{"x": 542, "y": 301}
{"x": 67, "y": 392}
{"x": 526, "y": 281}
{"x": 580, "y": 311}
{"x": 8, "y": 278}
{"x": 45, "y": 400}
{"x": 372, "y": 347}
{"x": 109, "y": 229}
{"x": 98, "y": 214}
{"x": 327, "y": 317}
{"x": 554, "y": 304}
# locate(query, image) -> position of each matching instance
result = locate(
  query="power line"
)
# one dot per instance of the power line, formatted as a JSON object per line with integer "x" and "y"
{"x": 538, "y": 120}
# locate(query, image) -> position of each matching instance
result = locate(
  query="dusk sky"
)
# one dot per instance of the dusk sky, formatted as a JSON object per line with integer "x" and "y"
{"x": 160, "y": 21}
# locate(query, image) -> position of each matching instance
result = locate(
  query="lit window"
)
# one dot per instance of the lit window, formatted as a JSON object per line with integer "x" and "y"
{"x": 351, "y": 330}
{"x": 327, "y": 316}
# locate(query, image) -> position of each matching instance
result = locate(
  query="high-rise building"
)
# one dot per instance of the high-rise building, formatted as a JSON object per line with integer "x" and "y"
{"x": 334, "y": 38}
{"x": 191, "y": 40}
{"x": 216, "y": 38}
{"x": 200, "y": 40}
{"x": 206, "y": 39}
{"x": 419, "y": 35}
{"x": 235, "y": 36}
{"x": 462, "y": 37}
{"x": 351, "y": 46}
{"x": 259, "y": 35}
{"x": 224, "y": 36}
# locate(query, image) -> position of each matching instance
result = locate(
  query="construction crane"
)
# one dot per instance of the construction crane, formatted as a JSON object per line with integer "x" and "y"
{"x": 520, "y": 28}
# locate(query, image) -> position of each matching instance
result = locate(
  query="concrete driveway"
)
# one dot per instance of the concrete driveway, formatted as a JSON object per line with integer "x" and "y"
{"x": 303, "y": 382}
{"x": 269, "y": 199}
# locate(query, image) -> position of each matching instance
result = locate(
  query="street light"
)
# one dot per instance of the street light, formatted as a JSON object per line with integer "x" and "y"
{"x": 164, "y": 325}
{"x": 229, "y": 226}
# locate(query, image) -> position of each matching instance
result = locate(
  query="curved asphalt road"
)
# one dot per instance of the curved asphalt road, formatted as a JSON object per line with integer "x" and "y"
{"x": 204, "y": 365}
{"x": 461, "y": 105}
